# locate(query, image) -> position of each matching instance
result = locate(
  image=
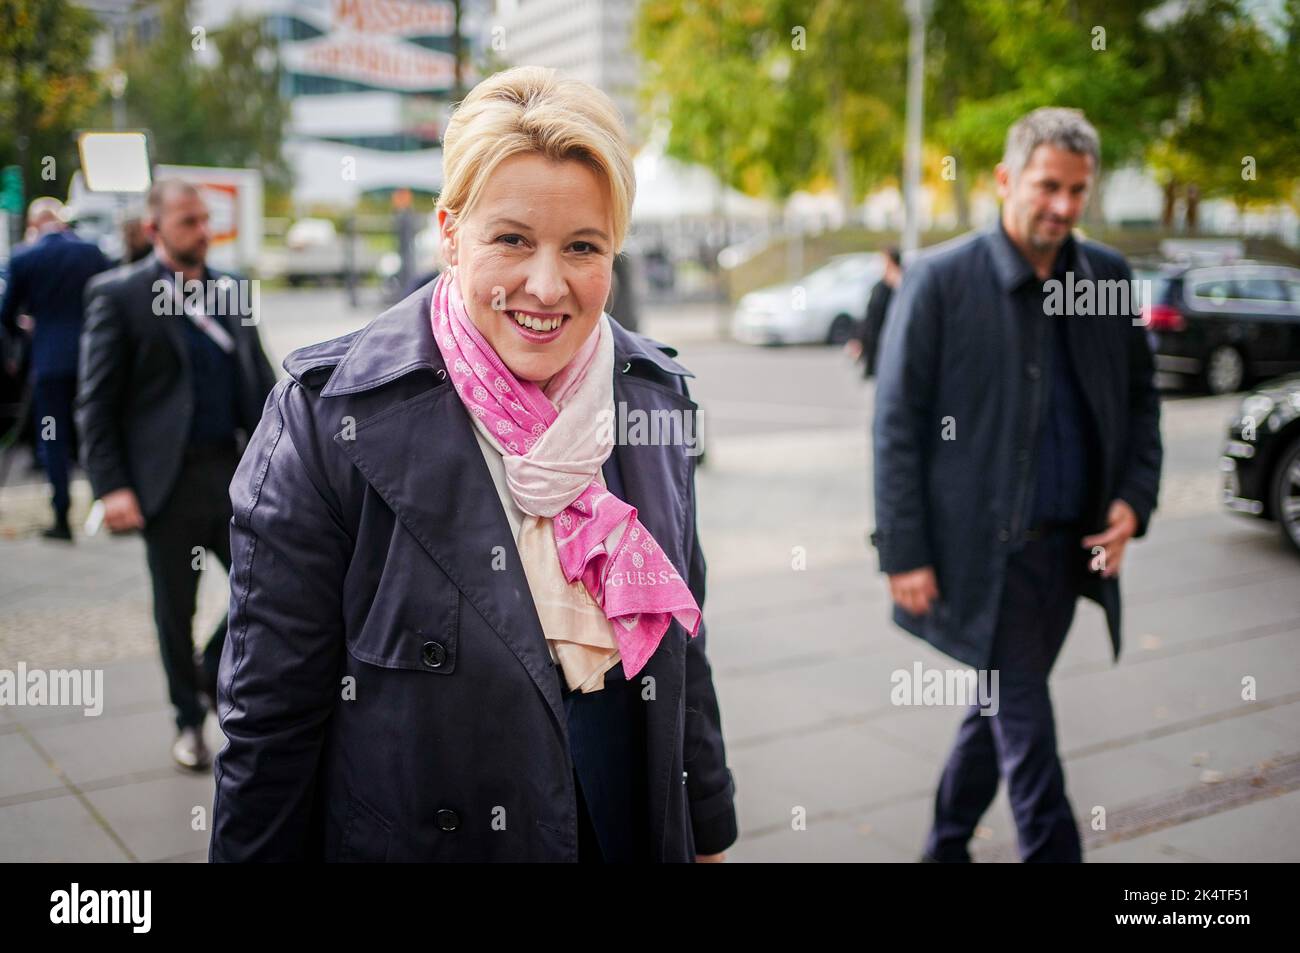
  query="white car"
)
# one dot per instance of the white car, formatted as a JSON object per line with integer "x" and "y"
{"x": 823, "y": 307}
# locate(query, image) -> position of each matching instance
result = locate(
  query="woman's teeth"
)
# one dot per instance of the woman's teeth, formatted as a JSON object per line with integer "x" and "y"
{"x": 535, "y": 324}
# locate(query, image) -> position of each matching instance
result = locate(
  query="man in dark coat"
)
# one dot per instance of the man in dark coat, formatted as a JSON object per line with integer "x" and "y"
{"x": 173, "y": 379}
{"x": 386, "y": 690}
{"x": 865, "y": 346}
{"x": 47, "y": 280}
{"x": 1017, "y": 451}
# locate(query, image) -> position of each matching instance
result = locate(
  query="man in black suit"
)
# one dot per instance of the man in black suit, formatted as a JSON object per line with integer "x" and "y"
{"x": 46, "y": 280}
{"x": 173, "y": 379}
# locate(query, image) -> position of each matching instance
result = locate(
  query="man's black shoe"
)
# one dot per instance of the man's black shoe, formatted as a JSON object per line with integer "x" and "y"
{"x": 58, "y": 531}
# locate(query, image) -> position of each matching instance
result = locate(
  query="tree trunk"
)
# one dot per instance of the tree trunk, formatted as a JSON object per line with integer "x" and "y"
{"x": 1167, "y": 208}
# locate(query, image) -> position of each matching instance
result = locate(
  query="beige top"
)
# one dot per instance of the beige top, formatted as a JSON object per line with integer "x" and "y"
{"x": 579, "y": 637}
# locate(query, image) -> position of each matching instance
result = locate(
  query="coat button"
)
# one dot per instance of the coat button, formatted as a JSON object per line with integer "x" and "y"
{"x": 1033, "y": 371}
{"x": 434, "y": 654}
{"x": 1004, "y": 535}
{"x": 447, "y": 820}
{"x": 1022, "y": 456}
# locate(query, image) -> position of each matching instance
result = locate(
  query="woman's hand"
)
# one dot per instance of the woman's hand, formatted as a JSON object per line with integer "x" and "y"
{"x": 711, "y": 858}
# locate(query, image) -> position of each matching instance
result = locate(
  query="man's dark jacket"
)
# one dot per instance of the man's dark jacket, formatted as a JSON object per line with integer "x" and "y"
{"x": 135, "y": 398}
{"x": 386, "y": 691}
{"x": 953, "y": 364}
{"x": 47, "y": 280}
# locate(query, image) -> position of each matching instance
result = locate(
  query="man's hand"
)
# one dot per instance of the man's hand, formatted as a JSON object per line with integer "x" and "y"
{"x": 914, "y": 590}
{"x": 853, "y": 348}
{"x": 710, "y": 858}
{"x": 1121, "y": 524}
{"x": 122, "y": 511}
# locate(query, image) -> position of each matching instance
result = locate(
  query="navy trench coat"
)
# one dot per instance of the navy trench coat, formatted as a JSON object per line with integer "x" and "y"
{"x": 386, "y": 691}
{"x": 951, "y": 352}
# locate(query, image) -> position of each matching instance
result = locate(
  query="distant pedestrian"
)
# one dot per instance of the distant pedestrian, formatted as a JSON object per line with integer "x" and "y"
{"x": 866, "y": 345}
{"x": 47, "y": 279}
{"x": 1016, "y": 454}
{"x": 172, "y": 384}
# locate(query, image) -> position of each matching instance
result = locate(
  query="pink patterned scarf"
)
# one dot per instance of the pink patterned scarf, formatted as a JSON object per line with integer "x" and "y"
{"x": 598, "y": 537}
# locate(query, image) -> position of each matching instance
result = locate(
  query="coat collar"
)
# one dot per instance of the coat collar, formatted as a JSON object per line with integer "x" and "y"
{"x": 400, "y": 341}
{"x": 1013, "y": 270}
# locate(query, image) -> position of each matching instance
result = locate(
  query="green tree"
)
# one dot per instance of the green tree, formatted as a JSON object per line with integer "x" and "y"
{"x": 1237, "y": 132}
{"x": 778, "y": 95}
{"x": 47, "y": 89}
{"x": 207, "y": 98}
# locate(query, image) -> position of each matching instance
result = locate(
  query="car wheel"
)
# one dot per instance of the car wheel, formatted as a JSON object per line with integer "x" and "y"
{"x": 1285, "y": 499}
{"x": 1225, "y": 370}
{"x": 841, "y": 330}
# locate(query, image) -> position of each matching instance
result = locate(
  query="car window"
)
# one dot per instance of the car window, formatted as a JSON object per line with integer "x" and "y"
{"x": 845, "y": 271}
{"x": 1217, "y": 291}
{"x": 1262, "y": 289}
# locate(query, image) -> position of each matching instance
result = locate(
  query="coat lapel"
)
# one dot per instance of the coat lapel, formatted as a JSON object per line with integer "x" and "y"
{"x": 152, "y": 272}
{"x": 1085, "y": 337}
{"x": 421, "y": 456}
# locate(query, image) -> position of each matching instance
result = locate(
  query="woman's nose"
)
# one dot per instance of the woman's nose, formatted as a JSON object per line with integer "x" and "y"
{"x": 545, "y": 282}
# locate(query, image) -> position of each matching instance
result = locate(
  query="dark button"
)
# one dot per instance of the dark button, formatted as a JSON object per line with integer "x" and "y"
{"x": 1022, "y": 456}
{"x": 447, "y": 820}
{"x": 1033, "y": 371}
{"x": 434, "y": 654}
{"x": 1004, "y": 535}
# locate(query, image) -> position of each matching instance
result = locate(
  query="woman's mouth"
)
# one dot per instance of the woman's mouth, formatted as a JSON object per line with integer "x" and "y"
{"x": 537, "y": 327}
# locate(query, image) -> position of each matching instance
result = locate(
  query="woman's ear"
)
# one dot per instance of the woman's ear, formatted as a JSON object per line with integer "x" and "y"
{"x": 447, "y": 236}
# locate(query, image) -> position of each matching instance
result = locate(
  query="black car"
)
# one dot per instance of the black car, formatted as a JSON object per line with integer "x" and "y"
{"x": 1261, "y": 460}
{"x": 1225, "y": 326}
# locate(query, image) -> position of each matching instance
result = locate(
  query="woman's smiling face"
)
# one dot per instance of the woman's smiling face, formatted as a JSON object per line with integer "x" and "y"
{"x": 533, "y": 260}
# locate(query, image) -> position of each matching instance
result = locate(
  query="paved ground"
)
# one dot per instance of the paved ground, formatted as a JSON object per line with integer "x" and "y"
{"x": 1163, "y": 742}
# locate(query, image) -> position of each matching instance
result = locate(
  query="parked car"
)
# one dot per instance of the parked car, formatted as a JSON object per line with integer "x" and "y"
{"x": 314, "y": 251}
{"x": 1261, "y": 459}
{"x": 1225, "y": 326}
{"x": 823, "y": 307}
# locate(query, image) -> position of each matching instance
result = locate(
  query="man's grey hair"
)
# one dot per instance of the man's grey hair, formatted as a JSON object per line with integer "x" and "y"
{"x": 1051, "y": 126}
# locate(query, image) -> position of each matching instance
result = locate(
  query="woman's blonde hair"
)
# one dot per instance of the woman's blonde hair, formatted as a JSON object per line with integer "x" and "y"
{"x": 532, "y": 109}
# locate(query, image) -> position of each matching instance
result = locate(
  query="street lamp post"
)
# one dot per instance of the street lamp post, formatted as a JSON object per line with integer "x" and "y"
{"x": 916, "y": 11}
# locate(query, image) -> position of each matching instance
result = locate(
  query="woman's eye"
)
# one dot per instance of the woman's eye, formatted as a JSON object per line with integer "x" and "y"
{"x": 514, "y": 241}
{"x": 584, "y": 248}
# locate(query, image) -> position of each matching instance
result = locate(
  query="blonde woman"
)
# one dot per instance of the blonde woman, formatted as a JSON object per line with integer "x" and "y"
{"x": 465, "y": 622}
